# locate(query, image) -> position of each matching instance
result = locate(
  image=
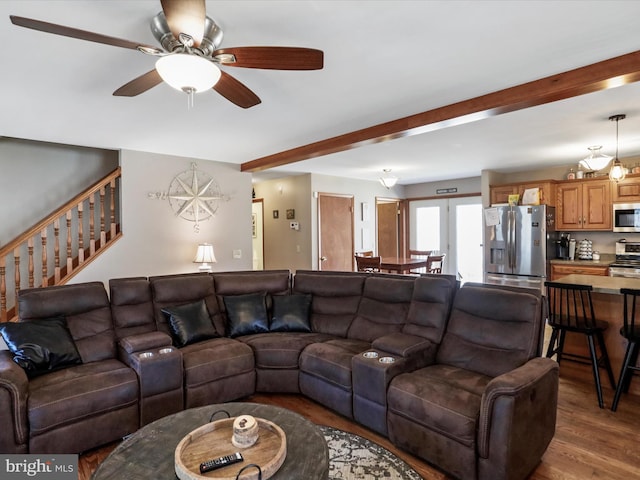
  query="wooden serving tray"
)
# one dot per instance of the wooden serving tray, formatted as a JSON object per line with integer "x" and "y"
{"x": 213, "y": 440}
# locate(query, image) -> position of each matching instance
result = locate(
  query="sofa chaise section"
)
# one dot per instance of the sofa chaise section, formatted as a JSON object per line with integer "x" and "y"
{"x": 79, "y": 407}
{"x": 486, "y": 408}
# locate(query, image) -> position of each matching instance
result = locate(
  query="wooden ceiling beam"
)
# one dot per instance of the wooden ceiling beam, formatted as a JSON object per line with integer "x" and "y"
{"x": 599, "y": 76}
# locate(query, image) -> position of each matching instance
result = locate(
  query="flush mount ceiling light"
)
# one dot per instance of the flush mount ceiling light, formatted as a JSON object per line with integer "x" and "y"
{"x": 387, "y": 180}
{"x": 596, "y": 159}
{"x": 617, "y": 170}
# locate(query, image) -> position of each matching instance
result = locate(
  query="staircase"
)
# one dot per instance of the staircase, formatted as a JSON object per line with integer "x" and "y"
{"x": 58, "y": 247}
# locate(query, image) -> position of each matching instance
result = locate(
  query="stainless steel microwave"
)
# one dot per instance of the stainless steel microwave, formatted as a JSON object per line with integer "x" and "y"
{"x": 626, "y": 217}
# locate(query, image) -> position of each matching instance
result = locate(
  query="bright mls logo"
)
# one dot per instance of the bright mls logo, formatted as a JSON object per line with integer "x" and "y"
{"x": 55, "y": 467}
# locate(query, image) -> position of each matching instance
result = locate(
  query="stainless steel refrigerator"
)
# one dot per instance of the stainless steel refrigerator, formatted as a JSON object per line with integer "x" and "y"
{"x": 519, "y": 243}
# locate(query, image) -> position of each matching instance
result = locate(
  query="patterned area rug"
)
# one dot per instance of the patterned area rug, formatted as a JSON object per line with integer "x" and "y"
{"x": 352, "y": 457}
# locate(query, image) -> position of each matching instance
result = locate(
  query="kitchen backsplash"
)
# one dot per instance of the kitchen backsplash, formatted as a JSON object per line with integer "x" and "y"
{"x": 605, "y": 242}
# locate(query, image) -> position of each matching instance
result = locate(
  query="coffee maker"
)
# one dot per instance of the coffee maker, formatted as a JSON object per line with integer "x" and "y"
{"x": 562, "y": 246}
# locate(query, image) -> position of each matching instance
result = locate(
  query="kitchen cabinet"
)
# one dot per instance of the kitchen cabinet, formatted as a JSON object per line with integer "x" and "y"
{"x": 584, "y": 205}
{"x": 627, "y": 191}
{"x": 559, "y": 271}
{"x": 500, "y": 193}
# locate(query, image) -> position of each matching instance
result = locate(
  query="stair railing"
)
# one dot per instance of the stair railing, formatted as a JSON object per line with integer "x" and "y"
{"x": 35, "y": 258}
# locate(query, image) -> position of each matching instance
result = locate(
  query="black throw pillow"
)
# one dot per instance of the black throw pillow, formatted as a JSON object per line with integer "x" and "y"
{"x": 247, "y": 314}
{"x": 189, "y": 323}
{"x": 291, "y": 313}
{"x": 41, "y": 346}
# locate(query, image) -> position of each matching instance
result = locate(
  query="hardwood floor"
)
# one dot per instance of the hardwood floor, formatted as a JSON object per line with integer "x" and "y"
{"x": 590, "y": 443}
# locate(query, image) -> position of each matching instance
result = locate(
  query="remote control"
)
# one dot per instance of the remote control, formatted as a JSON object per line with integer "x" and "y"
{"x": 216, "y": 463}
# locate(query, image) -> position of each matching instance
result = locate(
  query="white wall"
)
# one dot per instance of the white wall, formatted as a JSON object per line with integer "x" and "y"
{"x": 462, "y": 186}
{"x": 155, "y": 241}
{"x": 38, "y": 177}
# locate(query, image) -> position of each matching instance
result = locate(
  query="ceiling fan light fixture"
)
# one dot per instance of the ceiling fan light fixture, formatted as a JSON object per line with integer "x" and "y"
{"x": 187, "y": 72}
{"x": 596, "y": 159}
{"x": 387, "y": 180}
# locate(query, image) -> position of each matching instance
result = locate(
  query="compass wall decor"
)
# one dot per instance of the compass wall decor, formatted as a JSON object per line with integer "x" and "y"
{"x": 193, "y": 195}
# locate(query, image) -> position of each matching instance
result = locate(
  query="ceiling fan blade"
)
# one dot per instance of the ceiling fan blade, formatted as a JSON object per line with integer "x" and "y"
{"x": 75, "y": 33}
{"x": 139, "y": 85}
{"x": 235, "y": 91}
{"x": 275, "y": 58}
{"x": 185, "y": 16}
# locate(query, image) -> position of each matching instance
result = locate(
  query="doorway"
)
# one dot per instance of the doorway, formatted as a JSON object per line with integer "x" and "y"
{"x": 335, "y": 232}
{"x": 390, "y": 237}
{"x": 257, "y": 233}
{"x": 452, "y": 226}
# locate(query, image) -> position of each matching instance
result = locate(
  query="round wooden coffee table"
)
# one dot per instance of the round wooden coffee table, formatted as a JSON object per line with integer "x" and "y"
{"x": 149, "y": 453}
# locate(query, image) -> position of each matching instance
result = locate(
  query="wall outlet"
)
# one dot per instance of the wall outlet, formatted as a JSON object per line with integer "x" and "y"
{"x": 237, "y": 254}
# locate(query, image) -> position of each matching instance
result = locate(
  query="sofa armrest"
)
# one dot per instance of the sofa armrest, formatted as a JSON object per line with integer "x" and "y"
{"x": 14, "y": 390}
{"x": 517, "y": 419}
{"x": 144, "y": 341}
{"x": 419, "y": 350}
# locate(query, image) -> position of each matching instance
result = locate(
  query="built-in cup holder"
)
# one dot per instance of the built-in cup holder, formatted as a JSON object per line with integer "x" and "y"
{"x": 146, "y": 355}
{"x": 387, "y": 360}
{"x": 165, "y": 350}
{"x": 370, "y": 354}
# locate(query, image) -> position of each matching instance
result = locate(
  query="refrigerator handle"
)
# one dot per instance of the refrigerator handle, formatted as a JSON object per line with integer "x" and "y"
{"x": 511, "y": 249}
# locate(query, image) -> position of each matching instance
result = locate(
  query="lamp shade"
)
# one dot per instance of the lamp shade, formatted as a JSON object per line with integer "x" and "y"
{"x": 387, "y": 180}
{"x": 189, "y": 73}
{"x": 596, "y": 159}
{"x": 205, "y": 254}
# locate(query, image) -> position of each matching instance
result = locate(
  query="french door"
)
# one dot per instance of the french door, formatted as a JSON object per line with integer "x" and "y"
{"x": 452, "y": 226}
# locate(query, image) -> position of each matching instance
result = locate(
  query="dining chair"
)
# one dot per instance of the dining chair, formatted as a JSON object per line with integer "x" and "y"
{"x": 570, "y": 309}
{"x": 421, "y": 254}
{"x": 435, "y": 263}
{"x": 631, "y": 331}
{"x": 368, "y": 264}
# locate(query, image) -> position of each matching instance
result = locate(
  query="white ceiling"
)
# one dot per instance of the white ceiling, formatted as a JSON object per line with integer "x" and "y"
{"x": 383, "y": 60}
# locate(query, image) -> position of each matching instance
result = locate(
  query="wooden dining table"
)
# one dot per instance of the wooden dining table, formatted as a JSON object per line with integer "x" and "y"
{"x": 402, "y": 264}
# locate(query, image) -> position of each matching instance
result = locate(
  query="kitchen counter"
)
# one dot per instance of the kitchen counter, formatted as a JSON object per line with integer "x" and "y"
{"x": 609, "y": 285}
{"x": 606, "y": 259}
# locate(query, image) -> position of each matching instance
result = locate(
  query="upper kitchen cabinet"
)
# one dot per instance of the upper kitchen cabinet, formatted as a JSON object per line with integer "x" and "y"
{"x": 500, "y": 193}
{"x": 627, "y": 191}
{"x": 584, "y": 205}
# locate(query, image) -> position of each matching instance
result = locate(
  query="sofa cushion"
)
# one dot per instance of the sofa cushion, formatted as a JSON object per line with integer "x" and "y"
{"x": 331, "y": 360}
{"x": 247, "y": 314}
{"x": 281, "y": 349}
{"x": 86, "y": 309}
{"x": 450, "y": 395}
{"x": 215, "y": 359}
{"x": 41, "y": 346}
{"x": 491, "y": 330}
{"x": 291, "y": 313}
{"x": 189, "y": 323}
{"x": 79, "y": 392}
{"x": 383, "y": 308}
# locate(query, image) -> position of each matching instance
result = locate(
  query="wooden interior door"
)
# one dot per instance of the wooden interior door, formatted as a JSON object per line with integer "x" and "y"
{"x": 387, "y": 214}
{"x": 335, "y": 232}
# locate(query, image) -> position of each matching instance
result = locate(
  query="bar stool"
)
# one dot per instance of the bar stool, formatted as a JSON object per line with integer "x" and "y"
{"x": 571, "y": 310}
{"x": 631, "y": 331}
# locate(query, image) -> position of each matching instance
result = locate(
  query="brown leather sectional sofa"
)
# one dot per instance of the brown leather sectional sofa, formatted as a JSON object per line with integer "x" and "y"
{"x": 466, "y": 390}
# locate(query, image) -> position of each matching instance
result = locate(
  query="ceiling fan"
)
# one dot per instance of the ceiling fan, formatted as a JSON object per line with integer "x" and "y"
{"x": 189, "y": 57}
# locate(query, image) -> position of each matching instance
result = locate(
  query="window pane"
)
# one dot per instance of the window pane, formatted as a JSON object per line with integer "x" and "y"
{"x": 428, "y": 228}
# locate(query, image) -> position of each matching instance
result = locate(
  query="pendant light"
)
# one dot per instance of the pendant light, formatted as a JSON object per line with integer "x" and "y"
{"x": 616, "y": 173}
{"x": 388, "y": 180}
